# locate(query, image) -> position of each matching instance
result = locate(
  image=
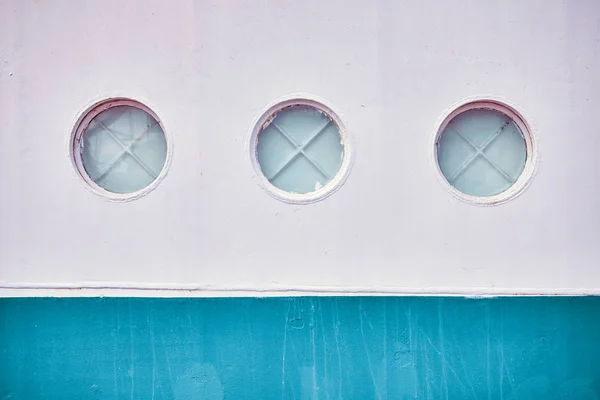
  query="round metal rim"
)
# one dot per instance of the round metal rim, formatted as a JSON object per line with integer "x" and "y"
{"x": 531, "y": 152}
{"x": 321, "y": 193}
{"x": 75, "y": 147}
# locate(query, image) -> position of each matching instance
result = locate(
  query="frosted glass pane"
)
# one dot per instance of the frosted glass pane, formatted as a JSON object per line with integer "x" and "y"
{"x": 300, "y": 150}
{"x": 124, "y": 149}
{"x": 482, "y": 152}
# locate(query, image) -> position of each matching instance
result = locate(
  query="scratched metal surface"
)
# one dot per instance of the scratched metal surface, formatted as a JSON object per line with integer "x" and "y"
{"x": 300, "y": 348}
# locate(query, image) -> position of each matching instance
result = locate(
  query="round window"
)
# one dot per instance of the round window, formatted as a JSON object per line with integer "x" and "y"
{"x": 300, "y": 150}
{"x": 120, "y": 148}
{"x": 484, "y": 152}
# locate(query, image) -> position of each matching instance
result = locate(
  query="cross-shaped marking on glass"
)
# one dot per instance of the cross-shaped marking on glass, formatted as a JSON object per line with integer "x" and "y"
{"x": 300, "y": 150}
{"x": 480, "y": 151}
{"x": 125, "y": 147}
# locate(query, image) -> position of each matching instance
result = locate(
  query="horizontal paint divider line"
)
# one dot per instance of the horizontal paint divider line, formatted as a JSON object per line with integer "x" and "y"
{"x": 139, "y": 289}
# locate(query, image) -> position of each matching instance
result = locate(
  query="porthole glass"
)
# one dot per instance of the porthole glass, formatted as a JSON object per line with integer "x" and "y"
{"x": 482, "y": 150}
{"x": 301, "y": 150}
{"x": 120, "y": 147}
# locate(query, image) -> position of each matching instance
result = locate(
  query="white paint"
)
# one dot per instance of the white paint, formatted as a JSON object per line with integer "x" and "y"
{"x": 129, "y": 289}
{"x": 390, "y": 69}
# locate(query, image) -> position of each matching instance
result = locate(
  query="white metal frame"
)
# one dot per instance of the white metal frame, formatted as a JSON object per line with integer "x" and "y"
{"x": 76, "y": 141}
{"x": 266, "y": 117}
{"x": 531, "y": 157}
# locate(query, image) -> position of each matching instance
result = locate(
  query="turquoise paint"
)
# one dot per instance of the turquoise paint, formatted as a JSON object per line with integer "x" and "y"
{"x": 300, "y": 348}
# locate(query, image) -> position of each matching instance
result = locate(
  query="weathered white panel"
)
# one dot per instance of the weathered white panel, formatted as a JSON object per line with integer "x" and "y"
{"x": 389, "y": 69}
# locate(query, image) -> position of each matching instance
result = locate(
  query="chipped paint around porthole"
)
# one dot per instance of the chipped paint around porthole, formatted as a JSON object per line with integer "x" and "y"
{"x": 484, "y": 152}
{"x": 300, "y": 150}
{"x": 120, "y": 149}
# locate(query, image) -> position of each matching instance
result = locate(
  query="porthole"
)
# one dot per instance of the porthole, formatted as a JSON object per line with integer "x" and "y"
{"x": 120, "y": 149}
{"x": 300, "y": 150}
{"x": 484, "y": 152}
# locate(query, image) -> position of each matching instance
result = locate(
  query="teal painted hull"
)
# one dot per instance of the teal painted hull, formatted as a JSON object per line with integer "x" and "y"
{"x": 300, "y": 348}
